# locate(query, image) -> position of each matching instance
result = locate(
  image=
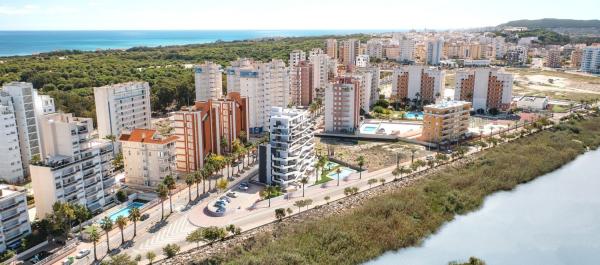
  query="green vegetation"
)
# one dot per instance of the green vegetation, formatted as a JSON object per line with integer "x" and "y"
{"x": 472, "y": 261}
{"x": 405, "y": 217}
{"x": 553, "y": 23}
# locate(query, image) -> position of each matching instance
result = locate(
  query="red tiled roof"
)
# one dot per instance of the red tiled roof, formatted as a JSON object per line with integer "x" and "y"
{"x": 146, "y": 136}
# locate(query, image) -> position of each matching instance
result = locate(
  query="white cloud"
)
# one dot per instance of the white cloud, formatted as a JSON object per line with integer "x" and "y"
{"x": 23, "y": 10}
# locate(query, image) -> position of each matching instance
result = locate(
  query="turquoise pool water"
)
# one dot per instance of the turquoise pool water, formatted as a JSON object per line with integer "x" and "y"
{"x": 369, "y": 129}
{"x": 125, "y": 211}
{"x": 414, "y": 115}
{"x": 344, "y": 173}
{"x": 330, "y": 165}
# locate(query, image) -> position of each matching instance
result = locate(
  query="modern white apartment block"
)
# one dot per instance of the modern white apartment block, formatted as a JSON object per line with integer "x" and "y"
{"x": 324, "y": 69}
{"x": 435, "y": 49}
{"x": 44, "y": 104}
{"x": 297, "y": 56}
{"x": 486, "y": 88}
{"x": 364, "y": 79}
{"x": 332, "y": 48}
{"x": 315, "y": 52}
{"x": 122, "y": 107}
{"x": 590, "y": 59}
{"x": 362, "y": 60}
{"x": 290, "y": 153}
{"x": 74, "y": 168}
{"x": 516, "y": 56}
{"x": 375, "y": 48}
{"x": 148, "y": 157}
{"x": 342, "y": 101}
{"x": 265, "y": 85}
{"x": 375, "y": 73}
{"x": 14, "y": 219}
{"x": 11, "y": 167}
{"x": 418, "y": 83}
{"x": 407, "y": 50}
{"x": 22, "y": 96}
{"x": 208, "y": 80}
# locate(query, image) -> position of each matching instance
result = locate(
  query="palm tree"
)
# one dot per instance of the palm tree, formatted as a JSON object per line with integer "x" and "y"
{"x": 397, "y": 171}
{"x": 81, "y": 215}
{"x": 197, "y": 180}
{"x": 205, "y": 174}
{"x": 271, "y": 190}
{"x": 189, "y": 180}
{"x": 106, "y": 224}
{"x": 170, "y": 184}
{"x": 338, "y": 171}
{"x": 163, "y": 193}
{"x": 412, "y": 152}
{"x": 361, "y": 162}
{"x": 304, "y": 181}
{"x": 134, "y": 216}
{"x": 228, "y": 160}
{"x": 94, "y": 237}
{"x": 112, "y": 139}
{"x": 121, "y": 222}
{"x": 223, "y": 144}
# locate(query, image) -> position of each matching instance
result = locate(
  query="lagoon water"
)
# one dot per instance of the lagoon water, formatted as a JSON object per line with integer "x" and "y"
{"x": 31, "y": 42}
{"x": 553, "y": 220}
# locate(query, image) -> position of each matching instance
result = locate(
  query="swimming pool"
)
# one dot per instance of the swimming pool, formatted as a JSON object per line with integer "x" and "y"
{"x": 125, "y": 211}
{"x": 369, "y": 128}
{"x": 330, "y": 165}
{"x": 344, "y": 172}
{"x": 414, "y": 115}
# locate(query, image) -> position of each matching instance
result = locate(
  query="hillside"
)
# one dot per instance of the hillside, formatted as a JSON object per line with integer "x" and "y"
{"x": 553, "y": 23}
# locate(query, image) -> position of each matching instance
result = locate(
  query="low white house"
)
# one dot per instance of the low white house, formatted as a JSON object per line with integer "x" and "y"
{"x": 532, "y": 103}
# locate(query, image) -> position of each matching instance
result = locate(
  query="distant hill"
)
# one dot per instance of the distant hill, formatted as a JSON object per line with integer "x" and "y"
{"x": 551, "y": 23}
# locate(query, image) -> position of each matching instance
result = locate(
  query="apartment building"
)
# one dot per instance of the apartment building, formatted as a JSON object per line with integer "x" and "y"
{"x": 208, "y": 80}
{"x": 148, "y": 157}
{"x": 301, "y": 83}
{"x": 553, "y": 58}
{"x": 499, "y": 46}
{"x": 315, "y": 52}
{"x": 407, "y": 50}
{"x": 363, "y": 60}
{"x": 342, "y": 101}
{"x": 11, "y": 167}
{"x": 265, "y": 85}
{"x": 375, "y": 49}
{"x": 296, "y": 56}
{"x": 43, "y": 104}
{"x": 445, "y": 122}
{"x": 324, "y": 69}
{"x": 375, "y": 73}
{"x": 418, "y": 83}
{"x": 201, "y": 128}
{"x": 364, "y": 79}
{"x": 590, "y": 59}
{"x": 22, "y": 96}
{"x": 75, "y": 167}
{"x": 486, "y": 88}
{"x": 576, "y": 56}
{"x": 435, "y": 50}
{"x": 348, "y": 51}
{"x": 392, "y": 52}
{"x": 332, "y": 48}
{"x": 122, "y": 107}
{"x": 289, "y": 156}
{"x": 14, "y": 219}
{"x": 516, "y": 56}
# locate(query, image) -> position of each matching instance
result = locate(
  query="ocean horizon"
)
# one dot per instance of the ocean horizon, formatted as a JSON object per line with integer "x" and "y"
{"x": 21, "y": 43}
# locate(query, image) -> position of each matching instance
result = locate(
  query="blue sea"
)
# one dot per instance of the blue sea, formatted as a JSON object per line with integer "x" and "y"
{"x": 33, "y": 42}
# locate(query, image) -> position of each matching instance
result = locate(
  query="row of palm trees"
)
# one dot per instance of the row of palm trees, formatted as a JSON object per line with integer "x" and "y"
{"x": 107, "y": 224}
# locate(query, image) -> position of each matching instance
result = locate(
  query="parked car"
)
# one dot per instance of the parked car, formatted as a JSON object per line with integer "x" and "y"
{"x": 82, "y": 253}
{"x": 225, "y": 198}
{"x": 242, "y": 187}
{"x": 232, "y": 194}
{"x": 144, "y": 217}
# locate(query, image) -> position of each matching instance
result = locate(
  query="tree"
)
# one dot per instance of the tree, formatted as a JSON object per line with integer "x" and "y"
{"x": 121, "y": 222}
{"x": 82, "y": 214}
{"x": 361, "y": 162}
{"x": 112, "y": 140}
{"x": 150, "y": 256}
{"x": 106, "y": 224}
{"x": 222, "y": 184}
{"x": 307, "y": 203}
{"x": 382, "y": 181}
{"x": 396, "y": 172}
{"x": 347, "y": 191}
{"x": 299, "y": 204}
{"x": 327, "y": 198}
{"x": 213, "y": 233}
{"x": 121, "y": 196}
{"x": 197, "y": 180}
{"x": 279, "y": 214}
{"x": 118, "y": 161}
{"x": 169, "y": 182}
{"x": 270, "y": 191}
{"x": 195, "y": 236}
{"x": 94, "y": 237}
{"x": 120, "y": 259}
{"x": 63, "y": 214}
{"x": 134, "y": 216}
{"x": 163, "y": 193}
{"x": 338, "y": 171}
{"x": 233, "y": 230}
{"x": 304, "y": 181}
{"x": 189, "y": 181}
{"x": 371, "y": 182}
{"x": 170, "y": 250}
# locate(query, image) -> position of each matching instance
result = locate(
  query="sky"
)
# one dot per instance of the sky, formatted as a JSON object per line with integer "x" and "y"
{"x": 281, "y": 14}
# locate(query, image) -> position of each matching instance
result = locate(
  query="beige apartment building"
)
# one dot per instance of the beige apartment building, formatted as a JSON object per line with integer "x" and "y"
{"x": 486, "y": 88}
{"x": 332, "y": 48}
{"x": 148, "y": 157}
{"x": 348, "y": 51}
{"x": 14, "y": 219}
{"x": 301, "y": 83}
{"x": 342, "y": 106}
{"x": 445, "y": 122}
{"x": 208, "y": 81}
{"x": 418, "y": 83}
{"x": 122, "y": 107}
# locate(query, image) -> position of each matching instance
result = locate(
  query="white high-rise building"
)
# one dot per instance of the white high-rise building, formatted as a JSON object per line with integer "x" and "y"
{"x": 297, "y": 56}
{"x": 22, "y": 96}
{"x": 265, "y": 85}
{"x": 14, "y": 218}
{"x": 75, "y": 167}
{"x": 435, "y": 49}
{"x": 122, "y": 107}
{"x": 11, "y": 167}
{"x": 208, "y": 80}
{"x": 290, "y": 153}
{"x": 364, "y": 79}
{"x": 407, "y": 50}
{"x": 375, "y": 48}
{"x": 315, "y": 52}
{"x": 322, "y": 70}
{"x": 499, "y": 47}
{"x": 375, "y": 74}
{"x": 590, "y": 59}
